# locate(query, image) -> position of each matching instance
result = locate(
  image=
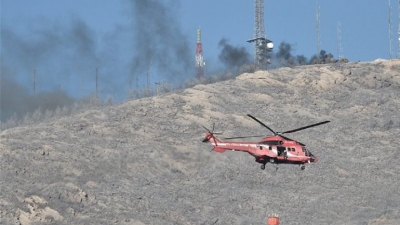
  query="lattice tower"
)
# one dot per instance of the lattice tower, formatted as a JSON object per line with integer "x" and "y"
{"x": 199, "y": 56}
{"x": 262, "y": 46}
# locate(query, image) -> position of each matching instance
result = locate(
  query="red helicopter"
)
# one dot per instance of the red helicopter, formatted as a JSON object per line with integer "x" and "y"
{"x": 276, "y": 149}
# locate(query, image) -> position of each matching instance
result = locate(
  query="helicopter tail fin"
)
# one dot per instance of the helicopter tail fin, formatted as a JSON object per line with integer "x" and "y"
{"x": 214, "y": 141}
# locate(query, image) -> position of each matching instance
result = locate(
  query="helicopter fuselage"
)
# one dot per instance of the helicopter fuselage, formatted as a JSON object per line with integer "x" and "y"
{"x": 274, "y": 149}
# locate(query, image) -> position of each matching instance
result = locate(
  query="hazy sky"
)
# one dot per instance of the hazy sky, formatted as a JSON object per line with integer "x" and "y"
{"x": 64, "y": 41}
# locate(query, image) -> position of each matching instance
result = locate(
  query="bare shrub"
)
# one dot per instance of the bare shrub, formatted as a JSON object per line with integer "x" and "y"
{"x": 37, "y": 115}
{"x": 13, "y": 121}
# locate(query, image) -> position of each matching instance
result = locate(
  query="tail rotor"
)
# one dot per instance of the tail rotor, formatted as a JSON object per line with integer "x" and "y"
{"x": 210, "y": 134}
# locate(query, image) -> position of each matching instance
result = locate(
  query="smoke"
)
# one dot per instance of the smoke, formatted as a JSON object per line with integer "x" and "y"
{"x": 159, "y": 42}
{"x": 284, "y": 51}
{"x": 74, "y": 45}
{"x": 15, "y": 99}
{"x": 83, "y": 40}
{"x": 284, "y": 57}
{"x": 231, "y": 56}
{"x": 63, "y": 56}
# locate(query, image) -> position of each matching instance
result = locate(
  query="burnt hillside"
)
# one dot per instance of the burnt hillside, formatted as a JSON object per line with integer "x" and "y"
{"x": 143, "y": 162}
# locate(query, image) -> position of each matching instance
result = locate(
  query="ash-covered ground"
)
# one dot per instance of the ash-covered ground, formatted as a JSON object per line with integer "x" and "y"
{"x": 143, "y": 162}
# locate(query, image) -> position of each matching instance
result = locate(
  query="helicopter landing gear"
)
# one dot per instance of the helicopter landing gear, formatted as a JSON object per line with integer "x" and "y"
{"x": 302, "y": 167}
{"x": 263, "y": 166}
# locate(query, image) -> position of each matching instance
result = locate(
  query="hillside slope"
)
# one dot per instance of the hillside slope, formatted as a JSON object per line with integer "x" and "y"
{"x": 143, "y": 162}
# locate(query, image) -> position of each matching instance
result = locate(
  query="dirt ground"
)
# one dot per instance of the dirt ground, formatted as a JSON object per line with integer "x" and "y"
{"x": 143, "y": 162}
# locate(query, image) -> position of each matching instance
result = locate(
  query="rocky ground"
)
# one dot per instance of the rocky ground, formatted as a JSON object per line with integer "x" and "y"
{"x": 143, "y": 162}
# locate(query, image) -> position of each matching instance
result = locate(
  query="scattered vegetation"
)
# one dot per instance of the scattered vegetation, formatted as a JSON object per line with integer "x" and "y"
{"x": 45, "y": 107}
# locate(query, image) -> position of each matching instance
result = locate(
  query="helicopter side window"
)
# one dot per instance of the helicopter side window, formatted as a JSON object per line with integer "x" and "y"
{"x": 270, "y": 148}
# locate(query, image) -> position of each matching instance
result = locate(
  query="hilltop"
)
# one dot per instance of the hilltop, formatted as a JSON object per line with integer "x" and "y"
{"x": 143, "y": 162}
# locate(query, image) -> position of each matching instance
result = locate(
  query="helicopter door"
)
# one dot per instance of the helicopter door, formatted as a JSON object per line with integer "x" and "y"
{"x": 281, "y": 150}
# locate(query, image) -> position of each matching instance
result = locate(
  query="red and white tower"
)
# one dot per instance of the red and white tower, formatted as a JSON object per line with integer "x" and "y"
{"x": 199, "y": 56}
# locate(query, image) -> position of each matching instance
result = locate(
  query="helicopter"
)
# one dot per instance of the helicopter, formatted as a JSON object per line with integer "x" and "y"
{"x": 276, "y": 149}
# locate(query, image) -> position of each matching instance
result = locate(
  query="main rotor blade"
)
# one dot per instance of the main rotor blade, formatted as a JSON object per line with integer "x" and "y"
{"x": 261, "y": 123}
{"x": 244, "y": 137}
{"x": 206, "y": 129}
{"x": 292, "y": 140}
{"x": 302, "y": 128}
{"x": 286, "y": 138}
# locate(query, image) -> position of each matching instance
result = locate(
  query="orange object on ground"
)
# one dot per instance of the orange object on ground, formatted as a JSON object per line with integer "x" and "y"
{"x": 273, "y": 220}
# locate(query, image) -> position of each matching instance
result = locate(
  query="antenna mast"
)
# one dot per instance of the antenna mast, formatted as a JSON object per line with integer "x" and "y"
{"x": 318, "y": 33}
{"x": 390, "y": 31}
{"x": 262, "y": 46}
{"x": 398, "y": 33}
{"x": 339, "y": 41}
{"x": 199, "y": 56}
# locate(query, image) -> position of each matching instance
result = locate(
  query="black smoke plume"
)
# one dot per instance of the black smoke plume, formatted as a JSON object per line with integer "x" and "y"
{"x": 64, "y": 58}
{"x": 284, "y": 57}
{"x": 160, "y": 44}
{"x": 16, "y": 101}
{"x": 231, "y": 56}
{"x": 284, "y": 51}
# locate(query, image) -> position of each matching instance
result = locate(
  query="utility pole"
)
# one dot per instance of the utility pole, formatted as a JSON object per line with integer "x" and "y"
{"x": 81, "y": 86}
{"x": 262, "y": 46}
{"x": 199, "y": 56}
{"x": 148, "y": 75}
{"x": 34, "y": 82}
{"x": 97, "y": 84}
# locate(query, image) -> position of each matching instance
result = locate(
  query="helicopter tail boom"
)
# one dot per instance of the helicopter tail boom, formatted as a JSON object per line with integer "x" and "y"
{"x": 214, "y": 141}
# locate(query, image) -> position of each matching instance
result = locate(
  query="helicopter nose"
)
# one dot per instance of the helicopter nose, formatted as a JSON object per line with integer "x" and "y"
{"x": 313, "y": 159}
